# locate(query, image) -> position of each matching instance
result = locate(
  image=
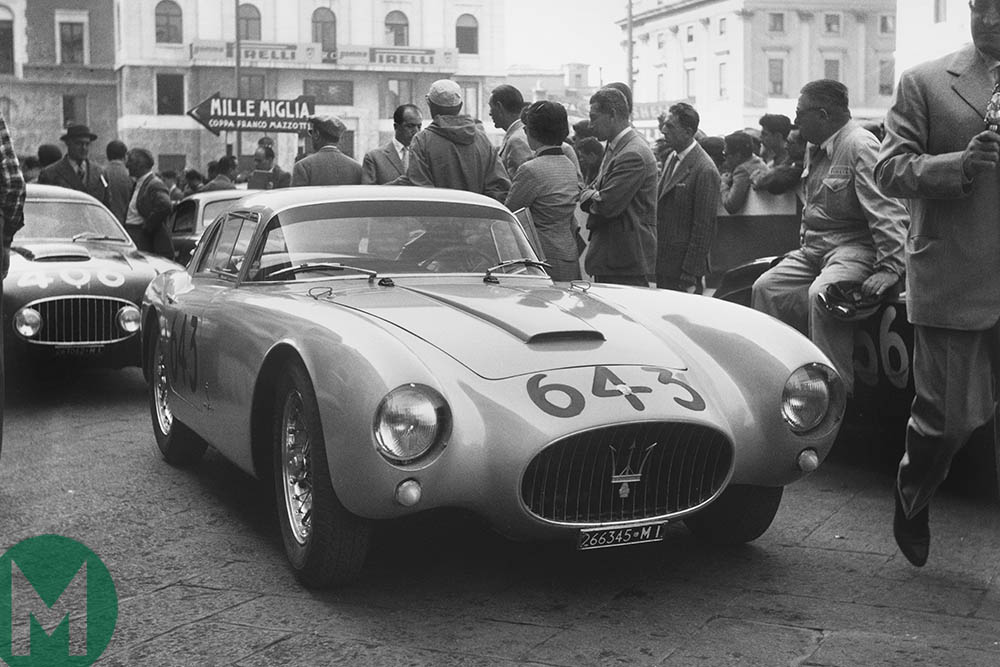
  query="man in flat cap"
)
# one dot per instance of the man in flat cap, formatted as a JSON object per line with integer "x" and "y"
{"x": 328, "y": 165}
{"x": 451, "y": 152}
{"x": 75, "y": 170}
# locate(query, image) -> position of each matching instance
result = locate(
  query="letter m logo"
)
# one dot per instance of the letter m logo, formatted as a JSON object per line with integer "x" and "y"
{"x": 29, "y": 609}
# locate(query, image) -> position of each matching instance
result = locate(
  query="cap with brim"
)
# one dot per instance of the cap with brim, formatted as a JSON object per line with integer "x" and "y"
{"x": 445, "y": 93}
{"x": 328, "y": 124}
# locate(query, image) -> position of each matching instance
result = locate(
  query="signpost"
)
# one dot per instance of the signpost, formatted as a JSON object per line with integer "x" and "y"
{"x": 220, "y": 114}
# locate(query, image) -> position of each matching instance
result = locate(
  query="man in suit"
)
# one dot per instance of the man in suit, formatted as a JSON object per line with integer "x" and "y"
{"x": 75, "y": 170}
{"x": 941, "y": 154}
{"x": 119, "y": 182}
{"x": 328, "y": 165}
{"x": 224, "y": 175}
{"x": 266, "y": 175}
{"x": 506, "y": 104}
{"x": 621, "y": 202}
{"x": 149, "y": 207}
{"x": 850, "y": 229}
{"x": 389, "y": 162}
{"x": 687, "y": 204}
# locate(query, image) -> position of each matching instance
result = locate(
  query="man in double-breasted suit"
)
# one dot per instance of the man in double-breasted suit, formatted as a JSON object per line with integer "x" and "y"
{"x": 328, "y": 165}
{"x": 75, "y": 170}
{"x": 621, "y": 202}
{"x": 687, "y": 204}
{"x": 387, "y": 163}
{"x": 941, "y": 154}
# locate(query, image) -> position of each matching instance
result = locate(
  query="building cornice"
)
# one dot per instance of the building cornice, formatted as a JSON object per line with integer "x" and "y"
{"x": 659, "y": 12}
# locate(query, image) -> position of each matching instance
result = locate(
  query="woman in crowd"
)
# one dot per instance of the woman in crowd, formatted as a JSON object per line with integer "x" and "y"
{"x": 549, "y": 188}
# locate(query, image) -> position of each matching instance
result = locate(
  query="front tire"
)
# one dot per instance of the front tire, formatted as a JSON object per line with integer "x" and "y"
{"x": 741, "y": 514}
{"x": 326, "y": 544}
{"x": 179, "y": 445}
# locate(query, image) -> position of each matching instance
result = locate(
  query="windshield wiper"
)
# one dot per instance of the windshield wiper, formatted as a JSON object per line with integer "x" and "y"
{"x": 524, "y": 261}
{"x": 92, "y": 236}
{"x": 323, "y": 266}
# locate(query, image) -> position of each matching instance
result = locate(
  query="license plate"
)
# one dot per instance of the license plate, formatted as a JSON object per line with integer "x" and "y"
{"x": 74, "y": 351}
{"x": 602, "y": 538}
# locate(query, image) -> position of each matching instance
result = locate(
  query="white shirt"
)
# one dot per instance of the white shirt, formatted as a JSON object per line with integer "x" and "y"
{"x": 132, "y": 217}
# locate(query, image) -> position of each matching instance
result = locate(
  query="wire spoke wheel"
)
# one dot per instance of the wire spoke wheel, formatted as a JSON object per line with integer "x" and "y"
{"x": 178, "y": 444}
{"x": 324, "y": 542}
{"x": 295, "y": 455}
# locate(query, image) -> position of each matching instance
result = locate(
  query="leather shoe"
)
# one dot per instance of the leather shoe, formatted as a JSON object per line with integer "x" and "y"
{"x": 913, "y": 535}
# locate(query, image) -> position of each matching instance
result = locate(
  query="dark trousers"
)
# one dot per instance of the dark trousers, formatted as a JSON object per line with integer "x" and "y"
{"x": 953, "y": 375}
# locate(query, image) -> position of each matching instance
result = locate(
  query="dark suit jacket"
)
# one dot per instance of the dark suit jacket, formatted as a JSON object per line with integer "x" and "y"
{"x": 154, "y": 204}
{"x": 63, "y": 173}
{"x": 120, "y": 187}
{"x": 381, "y": 165}
{"x": 686, "y": 210}
{"x": 327, "y": 166}
{"x": 623, "y": 223}
{"x": 953, "y": 244}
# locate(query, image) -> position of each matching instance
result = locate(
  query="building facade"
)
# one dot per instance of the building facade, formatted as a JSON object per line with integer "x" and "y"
{"x": 928, "y": 29}
{"x": 57, "y": 65}
{"x": 568, "y": 85}
{"x": 735, "y": 60}
{"x": 133, "y": 69}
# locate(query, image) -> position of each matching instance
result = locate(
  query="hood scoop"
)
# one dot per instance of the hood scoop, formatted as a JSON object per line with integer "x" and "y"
{"x": 53, "y": 252}
{"x": 543, "y": 323}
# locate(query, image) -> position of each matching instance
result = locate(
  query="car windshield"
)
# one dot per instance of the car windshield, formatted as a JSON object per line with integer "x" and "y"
{"x": 392, "y": 237}
{"x": 52, "y": 220}
{"x": 212, "y": 210}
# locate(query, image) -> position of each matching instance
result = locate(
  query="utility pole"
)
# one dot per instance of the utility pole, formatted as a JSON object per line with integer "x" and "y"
{"x": 631, "y": 75}
{"x": 236, "y": 16}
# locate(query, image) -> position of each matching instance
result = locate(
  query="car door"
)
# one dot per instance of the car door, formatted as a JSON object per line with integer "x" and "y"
{"x": 218, "y": 269}
{"x": 213, "y": 274}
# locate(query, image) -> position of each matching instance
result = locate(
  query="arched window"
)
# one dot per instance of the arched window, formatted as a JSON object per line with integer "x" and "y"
{"x": 249, "y": 22}
{"x": 169, "y": 23}
{"x": 467, "y": 34}
{"x": 397, "y": 29}
{"x": 6, "y": 42}
{"x": 325, "y": 28}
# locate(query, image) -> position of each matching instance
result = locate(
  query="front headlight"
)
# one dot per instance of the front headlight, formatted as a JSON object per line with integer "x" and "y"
{"x": 28, "y": 322}
{"x": 409, "y": 421}
{"x": 128, "y": 319}
{"x": 810, "y": 393}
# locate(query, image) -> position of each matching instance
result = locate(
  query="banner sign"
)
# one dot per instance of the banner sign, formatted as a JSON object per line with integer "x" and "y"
{"x": 219, "y": 114}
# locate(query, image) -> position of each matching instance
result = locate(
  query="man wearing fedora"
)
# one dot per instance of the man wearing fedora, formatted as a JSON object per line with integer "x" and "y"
{"x": 328, "y": 165}
{"x": 75, "y": 170}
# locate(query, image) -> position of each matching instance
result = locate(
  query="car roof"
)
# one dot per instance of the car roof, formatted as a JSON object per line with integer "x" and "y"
{"x": 37, "y": 191}
{"x": 276, "y": 200}
{"x": 217, "y": 195}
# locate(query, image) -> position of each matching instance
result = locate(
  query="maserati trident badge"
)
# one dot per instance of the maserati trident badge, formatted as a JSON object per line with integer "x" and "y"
{"x": 628, "y": 474}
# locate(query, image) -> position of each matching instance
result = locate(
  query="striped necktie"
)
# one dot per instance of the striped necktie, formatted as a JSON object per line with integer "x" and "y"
{"x": 668, "y": 171}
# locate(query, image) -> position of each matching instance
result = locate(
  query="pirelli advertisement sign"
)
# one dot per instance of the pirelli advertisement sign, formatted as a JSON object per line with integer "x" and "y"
{"x": 284, "y": 55}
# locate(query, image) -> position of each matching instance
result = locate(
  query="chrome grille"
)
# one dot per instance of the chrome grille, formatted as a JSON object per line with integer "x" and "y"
{"x": 79, "y": 320}
{"x": 627, "y": 472}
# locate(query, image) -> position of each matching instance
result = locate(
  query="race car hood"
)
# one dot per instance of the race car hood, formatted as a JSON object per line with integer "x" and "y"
{"x": 502, "y": 331}
{"x": 44, "y": 268}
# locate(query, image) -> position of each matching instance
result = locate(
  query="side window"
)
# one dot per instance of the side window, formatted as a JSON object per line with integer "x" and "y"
{"x": 184, "y": 217}
{"x": 228, "y": 245}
